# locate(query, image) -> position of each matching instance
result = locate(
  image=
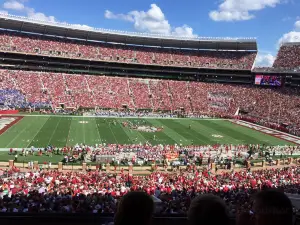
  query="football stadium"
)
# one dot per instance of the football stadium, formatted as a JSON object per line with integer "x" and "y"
{"x": 128, "y": 125}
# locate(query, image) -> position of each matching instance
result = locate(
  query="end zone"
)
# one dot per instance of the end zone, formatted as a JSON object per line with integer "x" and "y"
{"x": 278, "y": 134}
{"x": 8, "y": 121}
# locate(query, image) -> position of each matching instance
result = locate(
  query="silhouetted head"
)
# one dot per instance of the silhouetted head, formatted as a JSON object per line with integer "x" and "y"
{"x": 272, "y": 207}
{"x": 135, "y": 208}
{"x": 208, "y": 210}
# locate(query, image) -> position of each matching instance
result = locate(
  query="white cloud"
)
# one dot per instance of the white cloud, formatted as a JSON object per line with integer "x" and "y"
{"x": 184, "y": 31}
{"x": 80, "y": 26}
{"x": 237, "y": 10}
{"x": 287, "y": 18}
{"x": 18, "y": 5}
{"x": 14, "y": 5}
{"x": 292, "y": 36}
{"x": 264, "y": 60}
{"x": 152, "y": 21}
{"x": 110, "y": 15}
{"x": 39, "y": 16}
{"x": 297, "y": 25}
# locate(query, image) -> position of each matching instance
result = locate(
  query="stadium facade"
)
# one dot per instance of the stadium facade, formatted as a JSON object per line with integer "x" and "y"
{"x": 169, "y": 68}
{"x": 60, "y": 60}
{"x": 34, "y": 47}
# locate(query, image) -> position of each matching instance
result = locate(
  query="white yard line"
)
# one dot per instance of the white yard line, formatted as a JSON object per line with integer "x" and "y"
{"x": 37, "y": 133}
{"x": 53, "y": 132}
{"x": 98, "y": 131}
{"x": 69, "y": 132}
{"x": 83, "y": 131}
{"x": 113, "y": 134}
{"x": 25, "y": 128}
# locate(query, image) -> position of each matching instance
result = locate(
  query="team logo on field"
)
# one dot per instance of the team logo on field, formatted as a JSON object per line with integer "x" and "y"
{"x": 145, "y": 127}
{"x": 148, "y": 129}
{"x": 217, "y": 136}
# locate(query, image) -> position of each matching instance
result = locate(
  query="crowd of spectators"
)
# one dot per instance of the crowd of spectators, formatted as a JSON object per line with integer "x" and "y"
{"x": 288, "y": 57}
{"x": 99, "y": 192}
{"x": 276, "y": 105}
{"x": 60, "y": 47}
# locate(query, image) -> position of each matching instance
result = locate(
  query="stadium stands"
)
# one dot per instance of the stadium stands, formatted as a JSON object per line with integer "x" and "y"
{"x": 288, "y": 56}
{"x": 42, "y": 45}
{"x": 94, "y": 192}
{"x": 40, "y": 88}
{"x": 42, "y": 190}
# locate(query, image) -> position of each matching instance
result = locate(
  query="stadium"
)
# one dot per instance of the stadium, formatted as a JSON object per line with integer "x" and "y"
{"x": 94, "y": 112}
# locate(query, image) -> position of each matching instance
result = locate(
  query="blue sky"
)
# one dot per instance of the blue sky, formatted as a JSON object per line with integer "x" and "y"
{"x": 270, "y": 21}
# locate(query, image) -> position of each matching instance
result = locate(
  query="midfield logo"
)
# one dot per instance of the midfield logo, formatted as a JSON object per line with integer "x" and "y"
{"x": 217, "y": 136}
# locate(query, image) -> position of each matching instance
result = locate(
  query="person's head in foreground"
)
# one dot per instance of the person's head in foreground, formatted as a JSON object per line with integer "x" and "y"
{"x": 135, "y": 208}
{"x": 272, "y": 207}
{"x": 208, "y": 210}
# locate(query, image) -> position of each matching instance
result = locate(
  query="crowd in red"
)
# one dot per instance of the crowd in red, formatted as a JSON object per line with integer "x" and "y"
{"x": 288, "y": 57}
{"x": 98, "y": 192}
{"x": 274, "y": 105}
{"x": 34, "y": 44}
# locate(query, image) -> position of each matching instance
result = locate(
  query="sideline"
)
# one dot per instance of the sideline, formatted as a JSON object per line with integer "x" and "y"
{"x": 108, "y": 117}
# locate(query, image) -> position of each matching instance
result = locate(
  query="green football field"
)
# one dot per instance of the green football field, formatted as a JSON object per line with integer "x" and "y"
{"x": 59, "y": 131}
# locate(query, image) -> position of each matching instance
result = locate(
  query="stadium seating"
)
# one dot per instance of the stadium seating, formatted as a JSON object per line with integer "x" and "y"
{"x": 160, "y": 95}
{"x": 85, "y": 192}
{"x": 10, "y": 98}
{"x": 288, "y": 56}
{"x": 74, "y": 90}
{"x": 34, "y": 44}
{"x": 140, "y": 93}
{"x": 179, "y": 95}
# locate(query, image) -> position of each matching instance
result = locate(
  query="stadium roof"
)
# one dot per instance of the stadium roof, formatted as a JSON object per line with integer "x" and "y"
{"x": 24, "y": 24}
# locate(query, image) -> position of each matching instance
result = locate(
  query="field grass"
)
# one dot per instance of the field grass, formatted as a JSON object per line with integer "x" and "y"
{"x": 59, "y": 131}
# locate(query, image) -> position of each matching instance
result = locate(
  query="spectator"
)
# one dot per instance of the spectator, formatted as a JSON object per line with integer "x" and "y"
{"x": 272, "y": 207}
{"x": 208, "y": 210}
{"x": 135, "y": 208}
{"x": 36, "y": 45}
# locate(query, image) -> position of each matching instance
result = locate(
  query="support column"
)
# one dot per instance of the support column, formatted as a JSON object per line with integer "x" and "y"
{"x": 10, "y": 163}
{"x": 107, "y": 167}
{"x": 84, "y": 166}
{"x": 60, "y": 166}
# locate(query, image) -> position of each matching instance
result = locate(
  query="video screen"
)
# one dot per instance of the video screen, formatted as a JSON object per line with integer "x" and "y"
{"x": 268, "y": 80}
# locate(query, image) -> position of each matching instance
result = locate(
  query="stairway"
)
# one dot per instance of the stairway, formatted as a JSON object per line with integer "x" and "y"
{"x": 171, "y": 96}
{"x": 131, "y": 93}
{"x": 189, "y": 93}
{"x": 150, "y": 93}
